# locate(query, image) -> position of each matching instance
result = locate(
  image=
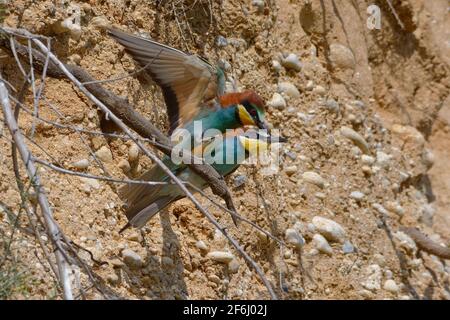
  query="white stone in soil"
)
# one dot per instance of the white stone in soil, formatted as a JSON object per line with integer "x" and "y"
{"x": 390, "y": 286}
{"x": 81, "y": 164}
{"x": 373, "y": 278}
{"x": 322, "y": 244}
{"x": 132, "y": 259}
{"x": 104, "y": 154}
{"x": 292, "y": 62}
{"x": 294, "y": 237}
{"x": 277, "y": 101}
{"x": 313, "y": 178}
{"x": 288, "y": 89}
{"x": 221, "y": 256}
{"x": 357, "y": 195}
{"x": 330, "y": 229}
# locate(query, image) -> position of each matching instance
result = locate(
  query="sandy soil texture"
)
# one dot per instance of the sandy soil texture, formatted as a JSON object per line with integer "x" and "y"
{"x": 389, "y": 86}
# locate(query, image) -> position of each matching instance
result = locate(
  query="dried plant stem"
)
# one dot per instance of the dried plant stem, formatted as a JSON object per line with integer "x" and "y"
{"x": 426, "y": 244}
{"x": 26, "y": 156}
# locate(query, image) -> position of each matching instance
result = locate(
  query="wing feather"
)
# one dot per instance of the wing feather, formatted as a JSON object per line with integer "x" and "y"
{"x": 184, "y": 78}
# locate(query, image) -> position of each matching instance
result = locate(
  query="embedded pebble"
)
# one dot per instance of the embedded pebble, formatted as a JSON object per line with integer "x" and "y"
{"x": 133, "y": 152}
{"x": 428, "y": 158}
{"x": 292, "y": 62}
{"x": 347, "y": 247}
{"x": 379, "y": 259}
{"x": 215, "y": 279}
{"x": 405, "y": 242}
{"x": 408, "y": 134}
{"x": 311, "y": 228}
{"x": 383, "y": 159}
{"x": 357, "y": 195}
{"x": 322, "y": 244}
{"x": 132, "y": 259}
{"x": 382, "y": 210}
{"x": 277, "y": 101}
{"x": 428, "y": 212}
{"x": 288, "y": 89}
{"x": 276, "y": 65}
{"x": 81, "y": 164}
{"x": 332, "y": 105}
{"x": 367, "y": 170}
{"x": 291, "y": 155}
{"x": 320, "y": 195}
{"x": 116, "y": 263}
{"x": 233, "y": 266}
{"x": 201, "y": 245}
{"x": 100, "y": 22}
{"x": 309, "y": 85}
{"x": 356, "y": 138}
{"x": 112, "y": 278}
{"x": 390, "y": 286}
{"x": 240, "y": 180}
{"x": 124, "y": 165}
{"x": 72, "y": 23}
{"x": 321, "y": 91}
{"x": 373, "y": 278}
{"x": 341, "y": 56}
{"x": 259, "y": 4}
{"x": 290, "y": 170}
{"x": 367, "y": 160}
{"x": 365, "y": 294}
{"x": 294, "y": 237}
{"x": 330, "y": 229}
{"x": 395, "y": 207}
{"x": 221, "y": 256}
{"x": 90, "y": 184}
{"x": 313, "y": 178}
{"x": 388, "y": 274}
{"x": 221, "y": 41}
{"x": 104, "y": 154}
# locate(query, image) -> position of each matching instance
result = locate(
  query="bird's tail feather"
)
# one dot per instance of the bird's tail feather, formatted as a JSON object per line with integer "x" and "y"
{"x": 139, "y": 214}
{"x": 131, "y": 193}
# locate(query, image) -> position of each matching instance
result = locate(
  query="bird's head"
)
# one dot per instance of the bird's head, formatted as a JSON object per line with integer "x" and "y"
{"x": 250, "y": 110}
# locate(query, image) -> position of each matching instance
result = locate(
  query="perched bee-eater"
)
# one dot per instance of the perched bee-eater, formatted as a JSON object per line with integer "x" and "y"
{"x": 192, "y": 88}
{"x": 225, "y": 153}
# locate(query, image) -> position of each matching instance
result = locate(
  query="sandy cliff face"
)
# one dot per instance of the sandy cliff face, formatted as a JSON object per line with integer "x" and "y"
{"x": 366, "y": 110}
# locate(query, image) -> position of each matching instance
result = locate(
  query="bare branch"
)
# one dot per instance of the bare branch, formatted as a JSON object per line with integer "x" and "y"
{"x": 25, "y": 154}
{"x": 426, "y": 244}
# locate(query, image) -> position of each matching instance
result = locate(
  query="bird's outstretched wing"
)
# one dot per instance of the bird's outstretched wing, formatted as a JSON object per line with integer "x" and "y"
{"x": 186, "y": 80}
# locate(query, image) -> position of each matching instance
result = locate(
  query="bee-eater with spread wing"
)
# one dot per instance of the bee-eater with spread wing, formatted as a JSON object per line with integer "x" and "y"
{"x": 192, "y": 88}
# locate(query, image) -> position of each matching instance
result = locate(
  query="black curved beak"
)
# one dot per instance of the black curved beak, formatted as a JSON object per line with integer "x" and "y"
{"x": 272, "y": 139}
{"x": 278, "y": 139}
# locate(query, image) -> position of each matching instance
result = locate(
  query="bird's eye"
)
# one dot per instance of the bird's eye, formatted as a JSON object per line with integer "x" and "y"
{"x": 253, "y": 112}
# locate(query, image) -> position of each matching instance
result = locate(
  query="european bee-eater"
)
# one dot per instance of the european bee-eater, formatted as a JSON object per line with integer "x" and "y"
{"x": 225, "y": 153}
{"x": 193, "y": 89}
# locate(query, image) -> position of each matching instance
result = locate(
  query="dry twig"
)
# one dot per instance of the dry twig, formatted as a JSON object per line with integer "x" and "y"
{"x": 26, "y": 156}
{"x": 426, "y": 244}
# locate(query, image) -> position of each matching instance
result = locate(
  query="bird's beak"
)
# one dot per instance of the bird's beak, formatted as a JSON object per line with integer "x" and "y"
{"x": 278, "y": 139}
{"x": 272, "y": 139}
{"x": 262, "y": 125}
